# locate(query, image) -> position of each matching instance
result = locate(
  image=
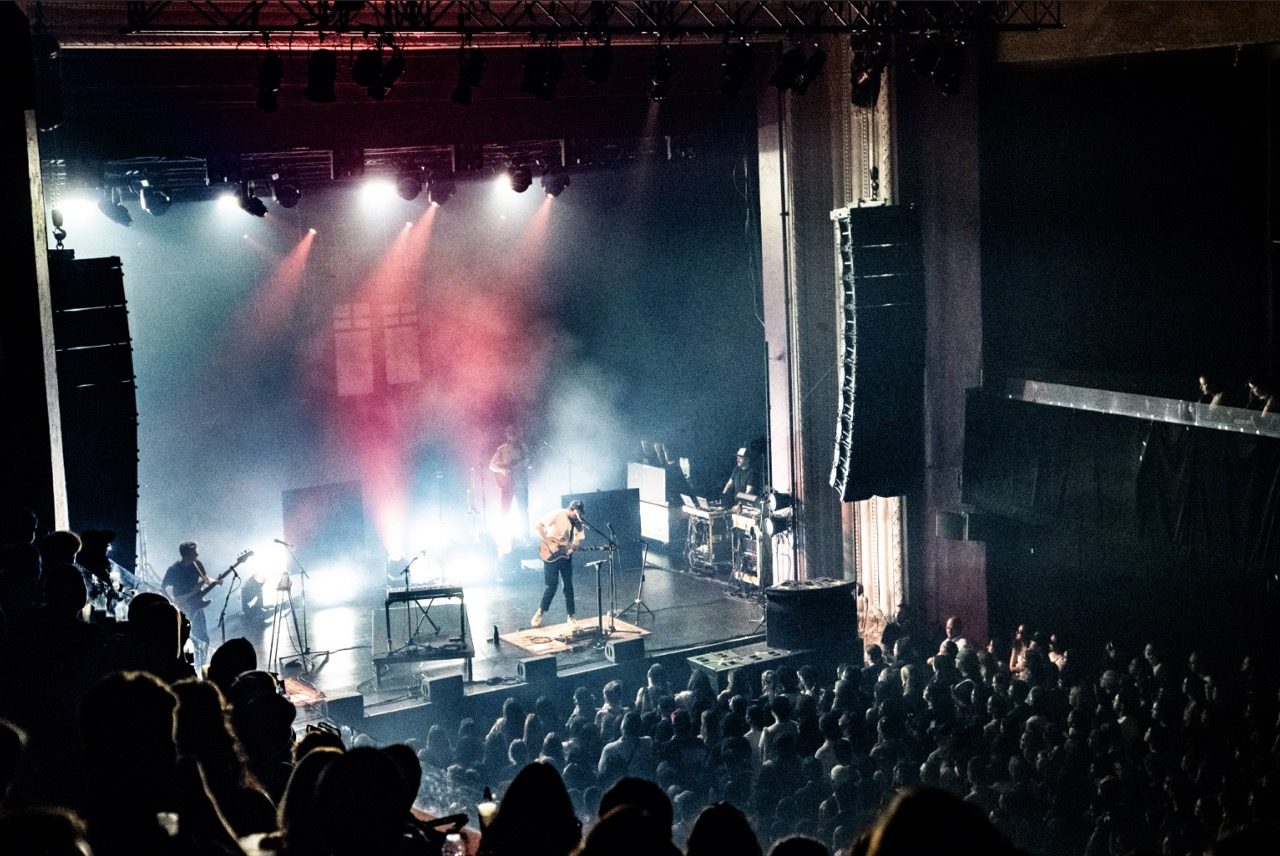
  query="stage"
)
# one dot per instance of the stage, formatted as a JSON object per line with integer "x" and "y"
{"x": 352, "y": 651}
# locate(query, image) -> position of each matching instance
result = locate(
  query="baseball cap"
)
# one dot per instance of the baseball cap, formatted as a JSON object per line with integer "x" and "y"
{"x": 742, "y": 453}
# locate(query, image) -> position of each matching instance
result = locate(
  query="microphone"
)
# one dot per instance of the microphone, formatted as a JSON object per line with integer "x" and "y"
{"x": 282, "y": 543}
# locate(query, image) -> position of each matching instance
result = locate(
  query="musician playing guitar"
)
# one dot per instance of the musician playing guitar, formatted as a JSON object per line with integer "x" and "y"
{"x": 560, "y": 533}
{"x": 184, "y": 582}
{"x": 510, "y": 467}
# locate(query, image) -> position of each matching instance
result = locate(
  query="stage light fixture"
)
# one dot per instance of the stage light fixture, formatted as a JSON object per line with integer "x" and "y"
{"x": 441, "y": 188}
{"x": 248, "y": 202}
{"x": 470, "y": 72}
{"x": 599, "y": 63}
{"x": 112, "y": 208}
{"x": 922, "y": 54}
{"x": 521, "y": 177}
{"x": 366, "y": 69}
{"x": 270, "y": 75}
{"x": 154, "y": 201}
{"x": 775, "y": 501}
{"x": 47, "y": 56}
{"x": 408, "y": 186}
{"x": 948, "y": 69}
{"x": 322, "y": 76}
{"x": 287, "y": 193}
{"x": 810, "y": 71}
{"x": 866, "y": 70}
{"x": 789, "y": 69}
{"x": 776, "y": 524}
{"x": 554, "y": 183}
{"x": 735, "y": 67}
{"x": 392, "y": 69}
{"x": 542, "y": 69}
{"x": 660, "y": 73}
{"x": 59, "y": 233}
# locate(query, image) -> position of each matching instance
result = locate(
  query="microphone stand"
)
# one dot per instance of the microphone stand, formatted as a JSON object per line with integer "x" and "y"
{"x": 306, "y": 657}
{"x": 568, "y": 462}
{"x": 222, "y": 616}
{"x": 612, "y": 547}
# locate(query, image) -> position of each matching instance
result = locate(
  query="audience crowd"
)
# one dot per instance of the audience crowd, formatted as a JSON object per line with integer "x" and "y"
{"x": 112, "y": 743}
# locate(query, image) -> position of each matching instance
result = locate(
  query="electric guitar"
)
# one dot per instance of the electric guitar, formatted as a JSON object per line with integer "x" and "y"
{"x": 194, "y": 599}
{"x": 550, "y": 549}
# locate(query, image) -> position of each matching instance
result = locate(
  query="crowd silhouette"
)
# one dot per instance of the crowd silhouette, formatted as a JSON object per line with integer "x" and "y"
{"x": 112, "y": 743}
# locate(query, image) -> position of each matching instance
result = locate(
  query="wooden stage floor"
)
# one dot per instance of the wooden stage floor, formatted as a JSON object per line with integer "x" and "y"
{"x": 688, "y": 611}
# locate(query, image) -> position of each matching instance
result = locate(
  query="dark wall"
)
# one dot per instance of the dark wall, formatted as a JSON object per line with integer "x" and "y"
{"x": 1090, "y": 587}
{"x": 1123, "y": 213}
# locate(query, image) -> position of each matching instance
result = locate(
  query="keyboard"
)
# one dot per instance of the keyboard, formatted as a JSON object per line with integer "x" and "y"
{"x": 401, "y": 594}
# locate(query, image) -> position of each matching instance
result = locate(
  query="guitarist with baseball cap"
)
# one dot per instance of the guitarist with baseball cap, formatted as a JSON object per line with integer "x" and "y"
{"x": 560, "y": 533}
{"x": 184, "y": 582}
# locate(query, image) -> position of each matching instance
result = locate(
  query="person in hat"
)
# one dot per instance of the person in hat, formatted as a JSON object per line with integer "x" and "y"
{"x": 560, "y": 533}
{"x": 741, "y": 480}
{"x": 104, "y": 578}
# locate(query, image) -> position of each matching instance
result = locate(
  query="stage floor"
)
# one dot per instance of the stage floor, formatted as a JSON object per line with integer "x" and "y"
{"x": 688, "y": 611}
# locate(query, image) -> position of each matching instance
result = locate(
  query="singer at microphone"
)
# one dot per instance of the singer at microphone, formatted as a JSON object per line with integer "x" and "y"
{"x": 561, "y": 532}
{"x": 282, "y": 543}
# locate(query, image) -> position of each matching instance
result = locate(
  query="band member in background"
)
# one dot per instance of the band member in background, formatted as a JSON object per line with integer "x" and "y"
{"x": 560, "y": 532}
{"x": 182, "y": 583}
{"x": 510, "y": 468}
{"x": 741, "y": 480}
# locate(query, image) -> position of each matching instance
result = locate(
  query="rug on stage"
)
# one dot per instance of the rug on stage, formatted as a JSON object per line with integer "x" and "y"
{"x": 554, "y": 638}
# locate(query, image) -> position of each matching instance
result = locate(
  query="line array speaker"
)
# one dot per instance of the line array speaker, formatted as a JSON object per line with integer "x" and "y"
{"x": 879, "y": 448}
{"x": 97, "y": 396}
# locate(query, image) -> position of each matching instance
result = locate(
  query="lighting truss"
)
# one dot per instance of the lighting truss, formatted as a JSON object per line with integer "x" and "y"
{"x": 303, "y": 167}
{"x": 394, "y": 162}
{"x": 440, "y": 23}
{"x": 181, "y": 175}
{"x": 187, "y": 179}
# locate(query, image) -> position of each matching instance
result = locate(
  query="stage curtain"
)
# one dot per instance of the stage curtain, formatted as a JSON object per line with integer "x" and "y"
{"x": 1213, "y": 493}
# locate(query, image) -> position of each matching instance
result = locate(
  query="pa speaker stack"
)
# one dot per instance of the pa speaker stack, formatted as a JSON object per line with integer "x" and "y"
{"x": 813, "y": 615}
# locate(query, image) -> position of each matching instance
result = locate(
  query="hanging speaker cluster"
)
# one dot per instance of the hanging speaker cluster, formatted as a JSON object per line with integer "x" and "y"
{"x": 879, "y": 447}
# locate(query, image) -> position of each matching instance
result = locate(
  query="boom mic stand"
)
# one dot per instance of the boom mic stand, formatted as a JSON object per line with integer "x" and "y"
{"x": 638, "y": 604}
{"x": 309, "y": 660}
{"x": 222, "y": 615}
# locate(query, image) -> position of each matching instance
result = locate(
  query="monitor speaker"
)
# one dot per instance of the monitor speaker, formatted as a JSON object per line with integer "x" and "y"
{"x": 535, "y": 670}
{"x": 346, "y": 709}
{"x": 624, "y": 650}
{"x": 813, "y": 615}
{"x": 445, "y": 692}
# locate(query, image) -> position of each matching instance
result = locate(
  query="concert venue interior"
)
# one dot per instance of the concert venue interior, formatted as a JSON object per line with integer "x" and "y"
{"x": 841, "y": 320}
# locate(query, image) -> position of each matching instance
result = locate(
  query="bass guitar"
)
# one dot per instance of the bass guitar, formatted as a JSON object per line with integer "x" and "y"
{"x": 194, "y": 599}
